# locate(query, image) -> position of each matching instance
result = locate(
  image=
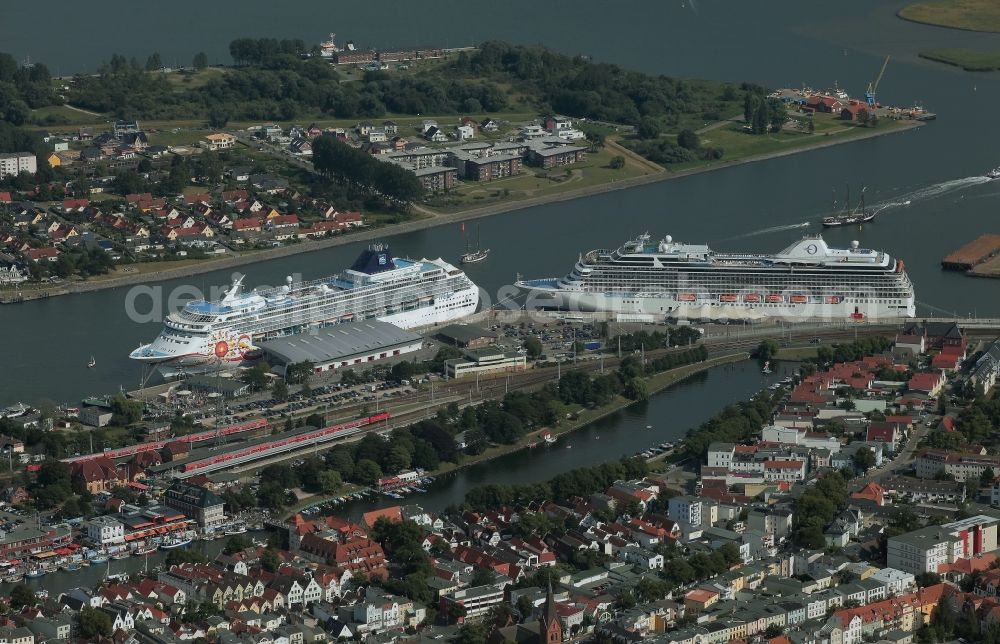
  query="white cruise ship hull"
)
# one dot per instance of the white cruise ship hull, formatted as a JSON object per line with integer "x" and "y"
{"x": 402, "y": 292}
{"x": 670, "y": 308}
{"x": 666, "y": 280}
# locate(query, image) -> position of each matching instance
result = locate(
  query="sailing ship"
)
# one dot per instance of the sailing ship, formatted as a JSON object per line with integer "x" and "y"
{"x": 858, "y": 216}
{"x": 473, "y": 256}
{"x": 92, "y": 363}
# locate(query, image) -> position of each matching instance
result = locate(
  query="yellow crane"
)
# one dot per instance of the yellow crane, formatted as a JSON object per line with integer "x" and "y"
{"x": 873, "y": 87}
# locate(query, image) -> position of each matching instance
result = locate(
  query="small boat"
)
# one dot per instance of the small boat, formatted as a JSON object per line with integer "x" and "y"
{"x": 548, "y": 439}
{"x": 35, "y": 573}
{"x": 751, "y": 297}
{"x": 473, "y": 256}
{"x": 239, "y": 528}
{"x": 994, "y": 173}
{"x": 121, "y": 555}
{"x": 569, "y": 447}
{"x": 767, "y": 367}
{"x": 832, "y": 299}
{"x": 20, "y": 409}
{"x": 858, "y": 216}
{"x": 146, "y": 551}
{"x": 120, "y": 577}
{"x": 774, "y": 298}
{"x": 798, "y": 299}
{"x": 728, "y": 297}
{"x": 96, "y": 561}
{"x": 92, "y": 363}
{"x": 687, "y": 297}
{"x": 649, "y": 427}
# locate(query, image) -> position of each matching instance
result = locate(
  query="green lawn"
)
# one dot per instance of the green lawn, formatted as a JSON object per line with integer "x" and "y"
{"x": 968, "y": 59}
{"x": 740, "y": 144}
{"x": 60, "y": 116}
{"x": 974, "y": 15}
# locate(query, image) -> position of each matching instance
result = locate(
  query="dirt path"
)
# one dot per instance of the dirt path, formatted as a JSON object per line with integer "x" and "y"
{"x": 629, "y": 154}
{"x": 82, "y": 111}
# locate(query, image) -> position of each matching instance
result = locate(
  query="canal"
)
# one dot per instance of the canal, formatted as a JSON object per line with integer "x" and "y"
{"x": 665, "y": 417}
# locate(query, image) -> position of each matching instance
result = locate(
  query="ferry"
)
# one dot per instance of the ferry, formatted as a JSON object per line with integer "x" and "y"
{"x": 809, "y": 279}
{"x": 405, "y": 292}
{"x": 177, "y": 542}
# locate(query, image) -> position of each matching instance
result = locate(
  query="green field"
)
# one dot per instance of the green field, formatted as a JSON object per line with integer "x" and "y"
{"x": 973, "y": 15}
{"x": 739, "y": 144}
{"x": 968, "y": 59}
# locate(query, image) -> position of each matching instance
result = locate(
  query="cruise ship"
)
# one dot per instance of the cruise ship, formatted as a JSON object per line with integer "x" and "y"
{"x": 405, "y": 292}
{"x": 672, "y": 280}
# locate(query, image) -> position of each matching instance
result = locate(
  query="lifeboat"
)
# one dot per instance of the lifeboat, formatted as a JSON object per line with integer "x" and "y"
{"x": 832, "y": 299}
{"x": 727, "y": 298}
{"x": 798, "y": 299}
{"x": 774, "y": 298}
{"x": 751, "y": 297}
{"x": 687, "y": 297}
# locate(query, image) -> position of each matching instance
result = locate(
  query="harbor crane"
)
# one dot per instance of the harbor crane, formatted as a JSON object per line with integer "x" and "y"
{"x": 873, "y": 87}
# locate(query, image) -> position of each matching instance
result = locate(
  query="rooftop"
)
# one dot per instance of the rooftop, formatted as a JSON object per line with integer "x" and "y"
{"x": 339, "y": 341}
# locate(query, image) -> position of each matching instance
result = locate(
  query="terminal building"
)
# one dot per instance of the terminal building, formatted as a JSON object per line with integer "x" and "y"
{"x": 348, "y": 344}
{"x": 196, "y": 502}
{"x": 466, "y": 336}
{"x": 486, "y": 360}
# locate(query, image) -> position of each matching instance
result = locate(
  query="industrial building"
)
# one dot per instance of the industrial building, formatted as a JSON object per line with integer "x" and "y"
{"x": 466, "y": 336}
{"x": 343, "y": 345}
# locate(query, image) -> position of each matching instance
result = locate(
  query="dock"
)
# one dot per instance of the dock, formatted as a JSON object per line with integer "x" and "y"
{"x": 972, "y": 255}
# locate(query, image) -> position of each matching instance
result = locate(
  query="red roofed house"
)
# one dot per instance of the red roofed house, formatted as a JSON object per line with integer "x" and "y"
{"x": 885, "y": 433}
{"x": 97, "y": 474}
{"x": 357, "y": 555}
{"x": 5, "y": 197}
{"x": 393, "y": 514}
{"x": 872, "y": 492}
{"x": 852, "y": 111}
{"x": 929, "y": 383}
{"x": 42, "y": 254}
{"x": 789, "y": 471}
{"x": 821, "y": 103}
{"x": 246, "y": 224}
{"x": 75, "y": 205}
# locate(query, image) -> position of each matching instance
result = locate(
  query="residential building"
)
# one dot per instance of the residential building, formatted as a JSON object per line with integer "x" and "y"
{"x": 687, "y": 509}
{"x": 14, "y": 163}
{"x": 927, "y": 549}
{"x": 961, "y": 465}
{"x": 105, "y": 530}
{"x": 219, "y": 141}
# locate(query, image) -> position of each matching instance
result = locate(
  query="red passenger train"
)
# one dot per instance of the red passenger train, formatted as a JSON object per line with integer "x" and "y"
{"x": 264, "y": 449}
{"x": 158, "y": 445}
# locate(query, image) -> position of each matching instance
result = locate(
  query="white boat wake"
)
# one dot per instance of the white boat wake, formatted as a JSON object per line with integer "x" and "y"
{"x": 932, "y": 191}
{"x": 765, "y": 231}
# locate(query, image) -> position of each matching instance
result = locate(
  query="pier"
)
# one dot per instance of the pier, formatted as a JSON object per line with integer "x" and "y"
{"x": 978, "y": 256}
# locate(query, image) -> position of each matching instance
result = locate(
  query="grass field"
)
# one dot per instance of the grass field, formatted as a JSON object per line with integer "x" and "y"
{"x": 974, "y": 15}
{"x": 740, "y": 144}
{"x": 968, "y": 59}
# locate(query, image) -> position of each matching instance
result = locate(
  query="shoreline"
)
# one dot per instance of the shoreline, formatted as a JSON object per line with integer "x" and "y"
{"x": 433, "y": 221}
{"x": 657, "y": 383}
{"x": 899, "y": 14}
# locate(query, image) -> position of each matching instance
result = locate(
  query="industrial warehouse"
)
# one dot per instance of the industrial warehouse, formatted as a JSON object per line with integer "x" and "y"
{"x": 343, "y": 345}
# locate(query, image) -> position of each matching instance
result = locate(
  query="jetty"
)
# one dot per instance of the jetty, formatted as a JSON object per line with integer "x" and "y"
{"x": 980, "y": 256}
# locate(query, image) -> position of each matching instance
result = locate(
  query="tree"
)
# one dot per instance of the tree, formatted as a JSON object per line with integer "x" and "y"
{"x": 688, "y": 139}
{"x": 279, "y": 391}
{"x": 862, "y": 117}
{"x": 533, "y": 347}
{"x": 200, "y": 61}
{"x": 367, "y": 471}
{"x": 987, "y": 477}
{"x": 635, "y": 389}
{"x": 328, "y": 481}
{"x": 22, "y": 595}
{"x": 811, "y": 126}
{"x": 218, "y": 117}
{"x": 767, "y": 349}
{"x": 617, "y": 162}
{"x": 236, "y": 543}
{"x": 772, "y": 631}
{"x": 648, "y": 129}
{"x": 269, "y": 560}
{"x": 256, "y": 376}
{"x": 154, "y": 63}
{"x": 93, "y": 623}
{"x": 863, "y": 459}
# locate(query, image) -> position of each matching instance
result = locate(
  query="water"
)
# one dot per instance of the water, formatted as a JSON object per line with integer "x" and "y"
{"x": 91, "y": 577}
{"x": 665, "y": 417}
{"x": 764, "y": 206}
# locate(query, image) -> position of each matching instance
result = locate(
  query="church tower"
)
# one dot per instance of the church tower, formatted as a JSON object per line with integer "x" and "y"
{"x": 550, "y": 629}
